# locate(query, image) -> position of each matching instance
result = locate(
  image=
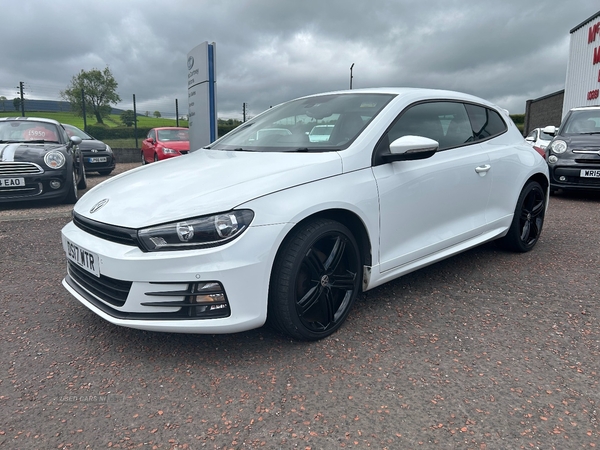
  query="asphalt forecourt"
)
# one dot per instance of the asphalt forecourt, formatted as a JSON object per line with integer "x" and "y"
{"x": 486, "y": 350}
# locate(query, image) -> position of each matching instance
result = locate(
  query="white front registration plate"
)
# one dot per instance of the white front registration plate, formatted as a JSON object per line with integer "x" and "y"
{"x": 85, "y": 259}
{"x": 97, "y": 159}
{"x": 590, "y": 173}
{"x": 12, "y": 182}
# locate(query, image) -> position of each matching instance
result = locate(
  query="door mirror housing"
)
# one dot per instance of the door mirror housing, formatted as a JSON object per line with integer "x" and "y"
{"x": 409, "y": 148}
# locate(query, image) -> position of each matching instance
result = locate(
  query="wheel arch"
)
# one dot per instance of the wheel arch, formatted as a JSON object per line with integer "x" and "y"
{"x": 541, "y": 179}
{"x": 347, "y": 218}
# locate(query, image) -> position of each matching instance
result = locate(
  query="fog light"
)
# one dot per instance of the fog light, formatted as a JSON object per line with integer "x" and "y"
{"x": 55, "y": 184}
{"x": 209, "y": 300}
{"x": 562, "y": 178}
{"x": 552, "y": 159}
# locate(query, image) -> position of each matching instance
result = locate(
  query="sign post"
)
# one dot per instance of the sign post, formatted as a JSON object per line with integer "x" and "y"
{"x": 202, "y": 95}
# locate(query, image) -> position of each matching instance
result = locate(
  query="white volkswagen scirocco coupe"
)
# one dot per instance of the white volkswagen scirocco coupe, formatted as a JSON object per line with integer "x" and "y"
{"x": 273, "y": 227}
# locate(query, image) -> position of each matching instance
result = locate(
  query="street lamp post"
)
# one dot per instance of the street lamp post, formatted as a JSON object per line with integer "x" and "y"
{"x": 351, "y": 75}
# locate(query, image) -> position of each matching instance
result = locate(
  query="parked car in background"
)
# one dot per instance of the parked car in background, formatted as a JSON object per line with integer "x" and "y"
{"x": 538, "y": 138}
{"x": 282, "y": 230}
{"x": 39, "y": 161}
{"x": 573, "y": 155}
{"x": 165, "y": 142}
{"x": 320, "y": 133}
{"x": 97, "y": 156}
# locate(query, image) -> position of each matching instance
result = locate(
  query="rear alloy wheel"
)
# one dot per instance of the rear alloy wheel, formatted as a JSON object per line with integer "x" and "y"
{"x": 316, "y": 278}
{"x": 528, "y": 220}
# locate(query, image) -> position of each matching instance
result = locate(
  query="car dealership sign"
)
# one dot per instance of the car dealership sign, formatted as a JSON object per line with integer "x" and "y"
{"x": 582, "y": 85}
{"x": 202, "y": 94}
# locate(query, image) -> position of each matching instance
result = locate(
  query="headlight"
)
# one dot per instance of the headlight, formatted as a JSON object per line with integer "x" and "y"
{"x": 54, "y": 159}
{"x": 169, "y": 150}
{"x": 108, "y": 149}
{"x": 558, "y": 147}
{"x": 199, "y": 232}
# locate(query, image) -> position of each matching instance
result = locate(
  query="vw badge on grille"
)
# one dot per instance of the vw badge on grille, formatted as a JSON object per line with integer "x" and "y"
{"x": 98, "y": 205}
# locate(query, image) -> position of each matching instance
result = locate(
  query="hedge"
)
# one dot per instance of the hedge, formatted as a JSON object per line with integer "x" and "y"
{"x": 103, "y": 132}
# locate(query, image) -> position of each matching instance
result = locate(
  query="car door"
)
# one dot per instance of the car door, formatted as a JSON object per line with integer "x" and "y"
{"x": 429, "y": 205}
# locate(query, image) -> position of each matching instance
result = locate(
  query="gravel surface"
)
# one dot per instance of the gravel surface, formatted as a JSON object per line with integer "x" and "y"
{"x": 486, "y": 350}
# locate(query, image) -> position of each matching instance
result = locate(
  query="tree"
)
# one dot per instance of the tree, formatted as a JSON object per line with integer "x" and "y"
{"x": 128, "y": 118}
{"x": 17, "y": 103}
{"x": 3, "y": 99}
{"x": 99, "y": 90}
{"x": 157, "y": 114}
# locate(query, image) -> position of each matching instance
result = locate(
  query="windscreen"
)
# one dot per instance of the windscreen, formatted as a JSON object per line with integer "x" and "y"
{"x": 320, "y": 123}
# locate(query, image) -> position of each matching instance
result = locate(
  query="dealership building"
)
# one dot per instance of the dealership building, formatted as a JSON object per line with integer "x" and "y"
{"x": 582, "y": 84}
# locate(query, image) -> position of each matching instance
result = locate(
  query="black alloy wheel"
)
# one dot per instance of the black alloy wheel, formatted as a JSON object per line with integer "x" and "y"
{"x": 528, "y": 219}
{"x": 317, "y": 276}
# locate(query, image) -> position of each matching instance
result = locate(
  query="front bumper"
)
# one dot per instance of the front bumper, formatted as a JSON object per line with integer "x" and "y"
{"x": 242, "y": 267}
{"x": 37, "y": 186}
{"x": 94, "y": 161}
{"x": 566, "y": 175}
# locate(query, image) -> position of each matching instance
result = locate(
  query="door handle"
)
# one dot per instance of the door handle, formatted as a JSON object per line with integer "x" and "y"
{"x": 483, "y": 169}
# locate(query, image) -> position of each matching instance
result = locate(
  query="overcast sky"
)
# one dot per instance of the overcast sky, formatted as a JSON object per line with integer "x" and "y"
{"x": 507, "y": 51}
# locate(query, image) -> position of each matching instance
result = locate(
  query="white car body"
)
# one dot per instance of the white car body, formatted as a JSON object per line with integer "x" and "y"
{"x": 413, "y": 213}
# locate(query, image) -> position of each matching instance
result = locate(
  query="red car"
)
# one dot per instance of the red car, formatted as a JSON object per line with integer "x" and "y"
{"x": 165, "y": 142}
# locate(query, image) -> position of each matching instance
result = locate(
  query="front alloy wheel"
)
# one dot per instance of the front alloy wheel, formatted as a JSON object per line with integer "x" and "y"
{"x": 316, "y": 278}
{"x": 528, "y": 220}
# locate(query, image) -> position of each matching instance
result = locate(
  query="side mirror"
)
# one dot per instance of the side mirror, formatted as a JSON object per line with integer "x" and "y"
{"x": 75, "y": 140}
{"x": 550, "y": 129}
{"x": 409, "y": 148}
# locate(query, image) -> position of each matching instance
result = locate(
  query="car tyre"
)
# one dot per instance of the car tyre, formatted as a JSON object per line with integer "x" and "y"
{"x": 72, "y": 193}
{"x": 528, "y": 220}
{"x": 82, "y": 182}
{"x": 316, "y": 277}
{"x": 144, "y": 162}
{"x": 155, "y": 157}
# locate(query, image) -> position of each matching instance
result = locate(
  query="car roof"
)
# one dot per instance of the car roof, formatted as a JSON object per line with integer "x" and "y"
{"x": 33, "y": 119}
{"x": 583, "y": 108}
{"x": 413, "y": 94}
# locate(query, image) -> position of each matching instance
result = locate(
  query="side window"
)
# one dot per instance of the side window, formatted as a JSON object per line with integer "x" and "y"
{"x": 485, "y": 122}
{"x": 533, "y": 135}
{"x": 445, "y": 122}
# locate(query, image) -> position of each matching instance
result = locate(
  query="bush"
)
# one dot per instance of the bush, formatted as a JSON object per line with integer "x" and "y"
{"x": 102, "y": 132}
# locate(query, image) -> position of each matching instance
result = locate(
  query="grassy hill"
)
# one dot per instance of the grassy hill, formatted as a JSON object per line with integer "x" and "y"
{"x": 111, "y": 121}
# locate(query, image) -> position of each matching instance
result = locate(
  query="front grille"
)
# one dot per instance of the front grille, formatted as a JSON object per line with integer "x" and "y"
{"x": 19, "y": 168}
{"x": 120, "y": 235}
{"x": 110, "y": 290}
{"x": 589, "y": 162}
